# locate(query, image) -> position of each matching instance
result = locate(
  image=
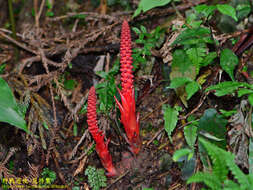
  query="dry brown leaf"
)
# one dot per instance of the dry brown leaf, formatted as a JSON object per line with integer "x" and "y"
{"x": 81, "y": 166}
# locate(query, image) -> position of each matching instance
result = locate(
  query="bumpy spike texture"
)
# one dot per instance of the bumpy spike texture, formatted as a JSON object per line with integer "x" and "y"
{"x": 97, "y": 134}
{"x": 126, "y": 60}
{"x": 127, "y": 106}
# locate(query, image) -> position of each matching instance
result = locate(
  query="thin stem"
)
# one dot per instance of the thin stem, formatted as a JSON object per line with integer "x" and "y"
{"x": 13, "y": 28}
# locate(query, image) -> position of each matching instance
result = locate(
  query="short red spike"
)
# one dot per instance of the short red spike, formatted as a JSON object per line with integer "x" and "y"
{"x": 97, "y": 134}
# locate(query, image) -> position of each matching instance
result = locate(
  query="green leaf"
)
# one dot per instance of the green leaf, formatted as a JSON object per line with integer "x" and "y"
{"x": 191, "y": 88}
{"x": 230, "y": 185}
{"x": 208, "y": 59}
{"x": 49, "y": 4}
{"x": 204, "y": 9}
{"x": 182, "y": 67}
{"x": 243, "y": 10}
{"x": 96, "y": 177}
{"x": 228, "y": 62}
{"x": 79, "y": 16}
{"x": 146, "y": 5}
{"x": 238, "y": 174}
{"x": 193, "y": 36}
{"x": 244, "y": 91}
{"x": 47, "y": 173}
{"x": 181, "y": 153}
{"x": 214, "y": 124}
{"x": 193, "y": 21}
{"x": 137, "y": 11}
{"x": 75, "y": 131}
{"x": 2, "y": 68}
{"x": 179, "y": 81}
{"x": 228, "y": 113}
{"x": 181, "y": 60}
{"x": 190, "y": 134}
{"x": 143, "y": 29}
{"x": 9, "y": 110}
{"x": 49, "y": 14}
{"x": 136, "y": 30}
{"x": 107, "y": 89}
{"x": 250, "y": 159}
{"x": 209, "y": 136}
{"x": 208, "y": 179}
{"x": 222, "y": 162}
{"x": 227, "y": 10}
{"x": 196, "y": 54}
{"x": 170, "y": 119}
{"x": 226, "y": 87}
{"x": 250, "y": 98}
{"x": 139, "y": 41}
{"x": 70, "y": 84}
{"x": 218, "y": 157}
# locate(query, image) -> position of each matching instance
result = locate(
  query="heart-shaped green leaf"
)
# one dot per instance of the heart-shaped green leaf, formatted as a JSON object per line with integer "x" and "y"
{"x": 9, "y": 110}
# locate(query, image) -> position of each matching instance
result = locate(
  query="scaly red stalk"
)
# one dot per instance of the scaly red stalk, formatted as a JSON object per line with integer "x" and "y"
{"x": 97, "y": 134}
{"x": 127, "y": 108}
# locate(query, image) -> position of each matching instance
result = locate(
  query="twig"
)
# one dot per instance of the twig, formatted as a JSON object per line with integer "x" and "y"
{"x": 78, "y": 106}
{"x": 188, "y": 123}
{"x": 197, "y": 107}
{"x": 75, "y": 25}
{"x": 44, "y": 61}
{"x": 10, "y": 32}
{"x": 40, "y": 11}
{"x": 28, "y": 62}
{"x": 81, "y": 156}
{"x": 154, "y": 137}
{"x": 44, "y": 77}
{"x": 158, "y": 12}
{"x": 54, "y": 130}
{"x": 9, "y": 155}
{"x": 13, "y": 27}
{"x": 92, "y": 14}
{"x": 35, "y": 7}
{"x": 177, "y": 11}
{"x": 23, "y": 46}
{"x": 4, "y": 75}
{"x": 79, "y": 142}
{"x": 150, "y": 113}
{"x": 61, "y": 176}
{"x": 116, "y": 180}
{"x": 64, "y": 98}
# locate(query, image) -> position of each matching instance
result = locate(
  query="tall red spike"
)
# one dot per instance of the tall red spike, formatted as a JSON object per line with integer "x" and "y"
{"x": 127, "y": 106}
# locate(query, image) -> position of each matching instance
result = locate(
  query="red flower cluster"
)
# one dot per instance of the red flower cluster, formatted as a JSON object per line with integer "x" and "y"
{"x": 127, "y": 108}
{"x": 97, "y": 134}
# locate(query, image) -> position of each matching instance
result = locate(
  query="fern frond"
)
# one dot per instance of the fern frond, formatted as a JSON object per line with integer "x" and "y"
{"x": 226, "y": 87}
{"x": 96, "y": 177}
{"x": 218, "y": 159}
{"x": 230, "y": 185}
{"x": 208, "y": 179}
{"x": 250, "y": 179}
{"x": 238, "y": 174}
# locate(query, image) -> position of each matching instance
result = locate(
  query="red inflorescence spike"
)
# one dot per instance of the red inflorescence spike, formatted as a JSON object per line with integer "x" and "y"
{"x": 126, "y": 59}
{"x": 127, "y": 106}
{"x": 97, "y": 134}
